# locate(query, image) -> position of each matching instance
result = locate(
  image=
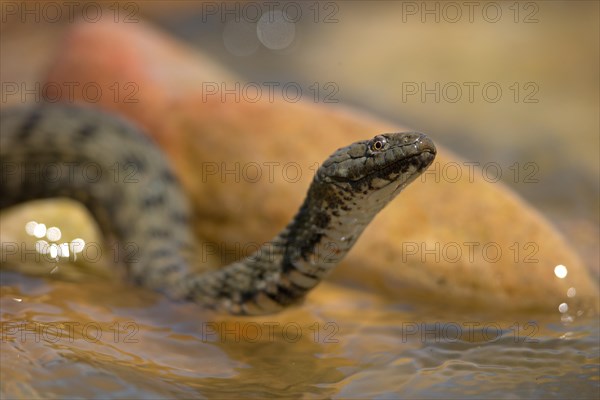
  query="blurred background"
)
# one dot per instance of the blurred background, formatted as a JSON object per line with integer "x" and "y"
{"x": 510, "y": 86}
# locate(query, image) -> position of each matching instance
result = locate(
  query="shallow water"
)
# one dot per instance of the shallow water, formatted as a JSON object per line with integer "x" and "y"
{"x": 92, "y": 336}
{"x": 78, "y": 329}
{"x": 103, "y": 339}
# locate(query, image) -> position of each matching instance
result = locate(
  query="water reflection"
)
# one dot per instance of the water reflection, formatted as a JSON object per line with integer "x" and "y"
{"x": 139, "y": 344}
{"x": 49, "y": 247}
{"x": 560, "y": 271}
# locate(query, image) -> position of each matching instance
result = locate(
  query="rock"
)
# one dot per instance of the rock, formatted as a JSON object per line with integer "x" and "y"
{"x": 452, "y": 241}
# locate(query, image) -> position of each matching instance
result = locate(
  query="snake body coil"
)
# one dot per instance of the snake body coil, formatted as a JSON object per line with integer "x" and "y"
{"x": 151, "y": 211}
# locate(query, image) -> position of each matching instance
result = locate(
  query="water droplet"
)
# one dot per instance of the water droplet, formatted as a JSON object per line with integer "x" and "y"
{"x": 77, "y": 245}
{"x": 54, "y": 234}
{"x": 39, "y": 231}
{"x": 563, "y": 307}
{"x": 64, "y": 249}
{"x": 30, "y": 227}
{"x": 560, "y": 271}
{"x": 275, "y": 31}
{"x": 41, "y": 246}
{"x": 53, "y": 250}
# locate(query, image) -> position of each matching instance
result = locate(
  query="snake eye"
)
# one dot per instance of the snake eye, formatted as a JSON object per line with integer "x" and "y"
{"x": 378, "y": 143}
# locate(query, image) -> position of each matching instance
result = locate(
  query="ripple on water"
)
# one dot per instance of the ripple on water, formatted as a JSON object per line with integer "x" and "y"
{"x": 356, "y": 346}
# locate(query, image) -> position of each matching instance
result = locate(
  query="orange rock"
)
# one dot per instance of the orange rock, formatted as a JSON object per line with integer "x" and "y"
{"x": 457, "y": 242}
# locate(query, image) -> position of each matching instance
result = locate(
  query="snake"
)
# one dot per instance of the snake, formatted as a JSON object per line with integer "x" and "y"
{"x": 65, "y": 150}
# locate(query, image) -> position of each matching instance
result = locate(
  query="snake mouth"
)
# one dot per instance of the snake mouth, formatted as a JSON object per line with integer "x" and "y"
{"x": 403, "y": 170}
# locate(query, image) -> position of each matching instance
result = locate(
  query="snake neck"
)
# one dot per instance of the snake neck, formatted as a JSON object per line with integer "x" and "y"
{"x": 282, "y": 271}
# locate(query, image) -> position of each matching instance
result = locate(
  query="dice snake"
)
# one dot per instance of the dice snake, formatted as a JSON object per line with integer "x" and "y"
{"x": 152, "y": 211}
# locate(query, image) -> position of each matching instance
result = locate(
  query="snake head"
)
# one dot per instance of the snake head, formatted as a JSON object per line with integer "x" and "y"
{"x": 388, "y": 160}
